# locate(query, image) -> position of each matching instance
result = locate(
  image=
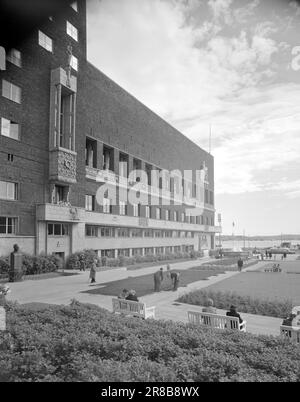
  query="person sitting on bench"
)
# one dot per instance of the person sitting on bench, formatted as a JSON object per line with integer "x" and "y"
{"x": 132, "y": 296}
{"x": 209, "y": 307}
{"x": 233, "y": 313}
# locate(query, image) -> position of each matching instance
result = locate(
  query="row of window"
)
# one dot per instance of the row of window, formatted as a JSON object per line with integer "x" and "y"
{"x": 13, "y": 92}
{"x": 156, "y": 212}
{"x": 110, "y": 253}
{"x": 99, "y": 231}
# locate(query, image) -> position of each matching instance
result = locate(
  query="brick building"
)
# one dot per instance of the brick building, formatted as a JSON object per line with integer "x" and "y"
{"x": 66, "y": 131}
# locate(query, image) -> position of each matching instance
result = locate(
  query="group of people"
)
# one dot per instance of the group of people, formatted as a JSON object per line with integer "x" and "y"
{"x": 209, "y": 308}
{"x": 293, "y": 320}
{"x": 172, "y": 276}
{"x": 128, "y": 295}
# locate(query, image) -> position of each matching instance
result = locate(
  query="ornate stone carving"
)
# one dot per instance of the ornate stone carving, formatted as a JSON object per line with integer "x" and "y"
{"x": 66, "y": 165}
{"x": 63, "y": 166}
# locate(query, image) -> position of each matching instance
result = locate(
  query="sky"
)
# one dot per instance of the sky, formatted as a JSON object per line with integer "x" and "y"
{"x": 232, "y": 65}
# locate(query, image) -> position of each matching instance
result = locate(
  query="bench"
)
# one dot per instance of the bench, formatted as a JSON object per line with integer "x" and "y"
{"x": 291, "y": 333}
{"x": 133, "y": 308}
{"x": 216, "y": 321}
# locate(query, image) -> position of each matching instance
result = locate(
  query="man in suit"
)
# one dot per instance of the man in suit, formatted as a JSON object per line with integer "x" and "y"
{"x": 158, "y": 278}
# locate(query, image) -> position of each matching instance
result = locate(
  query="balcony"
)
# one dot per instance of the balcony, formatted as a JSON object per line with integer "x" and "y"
{"x": 59, "y": 213}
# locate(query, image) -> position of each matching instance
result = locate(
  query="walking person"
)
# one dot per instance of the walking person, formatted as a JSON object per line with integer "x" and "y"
{"x": 158, "y": 278}
{"x": 93, "y": 271}
{"x": 240, "y": 264}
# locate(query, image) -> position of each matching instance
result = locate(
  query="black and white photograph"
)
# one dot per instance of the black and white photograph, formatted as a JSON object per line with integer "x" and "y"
{"x": 149, "y": 194}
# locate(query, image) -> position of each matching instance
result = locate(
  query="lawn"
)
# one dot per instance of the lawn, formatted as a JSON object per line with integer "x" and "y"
{"x": 144, "y": 285}
{"x": 261, "y": 285}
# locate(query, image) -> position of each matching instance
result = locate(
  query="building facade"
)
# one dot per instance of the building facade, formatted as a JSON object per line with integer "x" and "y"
{"x": 67, "y": 133}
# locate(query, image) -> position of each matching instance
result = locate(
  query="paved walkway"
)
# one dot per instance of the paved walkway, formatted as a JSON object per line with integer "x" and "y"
{"x": 61, "y": 290}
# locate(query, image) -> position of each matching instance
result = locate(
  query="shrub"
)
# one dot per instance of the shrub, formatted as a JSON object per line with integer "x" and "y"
{"x": 4, "y": 265}
{"x": 245, "y": 304}
{"x": 82, "y": 260}
{"x": 41, "y": 264}
{"x": 86, "y": 343}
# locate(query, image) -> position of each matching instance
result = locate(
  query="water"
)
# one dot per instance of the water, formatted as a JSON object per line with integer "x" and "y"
{"x": 239, "y": 244}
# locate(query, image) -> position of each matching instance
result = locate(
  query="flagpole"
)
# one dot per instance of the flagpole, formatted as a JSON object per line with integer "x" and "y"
{"x": 233, "y": 235}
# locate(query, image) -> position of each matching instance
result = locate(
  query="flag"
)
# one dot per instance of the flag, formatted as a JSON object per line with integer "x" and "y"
{"x": 233, "y": 224}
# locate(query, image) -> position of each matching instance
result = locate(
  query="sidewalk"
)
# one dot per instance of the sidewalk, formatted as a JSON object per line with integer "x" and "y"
{"x": 62, "y": 290}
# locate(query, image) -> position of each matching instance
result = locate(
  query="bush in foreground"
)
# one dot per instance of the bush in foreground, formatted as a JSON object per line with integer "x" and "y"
{"x": 86, "y": 343}
{"x": 223, "y": 300}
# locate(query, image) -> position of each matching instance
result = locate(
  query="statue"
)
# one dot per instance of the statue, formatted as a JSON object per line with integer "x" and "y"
{"x": 53, "y": 195}
{"x": 205, "y": 170}
{"x": 68, "y": 67}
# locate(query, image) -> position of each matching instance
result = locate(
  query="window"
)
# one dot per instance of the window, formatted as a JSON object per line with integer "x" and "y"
{"x": 168, "y": 233}
{"x": 74, "y": 63}
{"x": 90, "y": 202}
{"x": 8, "y": 225}
{"x": 148, "y": 233}
{"x": 137, "y": 233}
{"x": 137, "y": 251}
{"x": 158, "y": 213}
{"x": 107, "y": 232}
{"x": 107, "y": 208}
{"x": 135, "y": 209}
{"x": 147, "y": 211}
{"x": 123, "y": 232}
{"x": 72, "y": 31}
{"x": 108, "y": 253}
{"x": 45, "y": 41}
{"x": 91, "y": 231}
{"x": 11, "y": 91}
{"x": 175, "y": 216}
{"x": 182, "y": 217}
{"x": 124, "y": 252}
{"x": 158, "y": 233}
{"x": 91, "y": 153}
{"x": 148, "y": 250}
{"x": 58, "y": 229}
{"x": 14, "y": 56}
{"x": 122, "y": 208}
{"x": 9, "y": 129}
{"x": 206, "y": 200}
{"x": 8, "y": 190}
{"x": 75, "y": 6}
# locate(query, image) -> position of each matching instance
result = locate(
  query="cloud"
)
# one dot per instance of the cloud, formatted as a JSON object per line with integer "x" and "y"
{"x": 184, "y": 65}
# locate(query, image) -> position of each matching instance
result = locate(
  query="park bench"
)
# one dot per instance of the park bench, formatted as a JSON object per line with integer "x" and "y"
{"x": 291, "y": 333}
{"x": 216, "y": 321}
{"x": 133, "y": 308}
{"x": 275, "y": 268}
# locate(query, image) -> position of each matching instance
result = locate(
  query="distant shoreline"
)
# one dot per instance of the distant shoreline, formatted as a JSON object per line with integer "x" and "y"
{"x": 284, "y": 238}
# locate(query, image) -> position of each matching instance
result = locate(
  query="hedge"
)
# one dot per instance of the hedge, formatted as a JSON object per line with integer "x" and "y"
{"x": 83, "y": 260}
{"x": 33, "y": 265}
{"x": 245, "y": 304}
{"x": 86, "y": 343}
